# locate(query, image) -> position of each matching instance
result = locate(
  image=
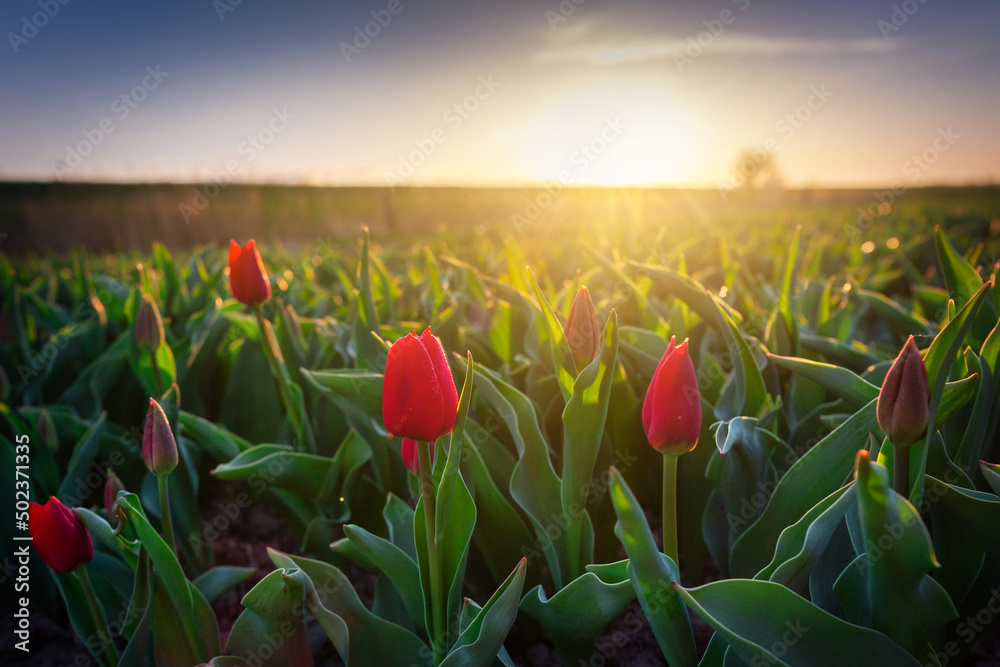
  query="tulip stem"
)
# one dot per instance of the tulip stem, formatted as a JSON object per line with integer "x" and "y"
{"x": 901, "y": 470}
{"x": 107, "y": 648}
{"x": 433, "y": 556}
{"x": 670, "y": 508}
{"x": 273, "y": 353}
{"x": 168, "y": 527}
{"x": 157, "y": 380}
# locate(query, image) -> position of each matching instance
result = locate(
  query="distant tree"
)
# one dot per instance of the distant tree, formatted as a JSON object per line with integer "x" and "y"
{"x": 756, "y": 168}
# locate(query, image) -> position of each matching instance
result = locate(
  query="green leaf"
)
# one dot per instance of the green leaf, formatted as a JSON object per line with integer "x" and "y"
{"x": 817, "y": 474}
{"x": 939, "y": 359}
{"x": 907, "y": 605}
{"x": 395, "y": 564}
{"x": 80, "y": 464}
{"x": 360, "y": 637}
{"x": 576, "y": 614}
{"x": 482, "y": 640}
{"x": 449, "y": 478}
{"x": 272, "y": 627}
{"x": 652, "y": 575}
{"x": 534, "y": 484}
{"x": 976, "y": 512}
{"x": 853, "y": 389}
{"x": 961, "y": 278}
{"x": 138, "y": 616}
{"x": 765, "y": 623}
{"x": 562, "y": 355}
{"x": 453, "y": 553}
{"x": 167, "y": 568}
{"x": 216, "y": 581}
{"x": 583, "y": 428}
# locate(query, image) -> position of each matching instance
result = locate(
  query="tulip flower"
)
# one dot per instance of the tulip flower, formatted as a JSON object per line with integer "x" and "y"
{"x": 47, "y": 429}
{"x": 247, "y": 275}
{"x": 419, "y": 398}
{"x": 111, "y": 489}
{"x": 59, "y": 536}
{"x": 411, "y": 455}
{"x": 671, "y": 412}
{"x": 671, "y": 418}
{"x": 159, "y": 448}
{"x": 63, "y": 542}
{"x": 159, "y": 453}
{"x": 583, "y": 333}
{"x": 148, "y": 325}
{"x": 902, "y": 409}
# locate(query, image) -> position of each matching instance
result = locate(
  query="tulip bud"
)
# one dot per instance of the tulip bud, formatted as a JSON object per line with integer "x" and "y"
{"x": 159, "y": 449}
{"x": 671, "y": 412}
{"x": 247, "y": 276}
{"x": 903, "y": 402}
{"x": 148, "y": 325}
{"x": 582, "y": 329}
{"x": 411, "y": 455}
{"x": 111, "y": 489}
{"x": 47, "y": 430}
{"x": 59, "y": 536}
{"x": 419, "y": 399}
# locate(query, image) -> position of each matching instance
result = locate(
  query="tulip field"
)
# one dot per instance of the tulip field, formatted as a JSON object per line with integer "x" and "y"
{"x": 770, "y": 443}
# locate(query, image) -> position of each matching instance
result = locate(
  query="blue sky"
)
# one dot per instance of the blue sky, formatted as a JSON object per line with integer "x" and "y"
{"x": 482, "y": 92}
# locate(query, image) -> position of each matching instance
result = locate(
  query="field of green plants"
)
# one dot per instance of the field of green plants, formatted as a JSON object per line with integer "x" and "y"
{"x": 389, "y": 450}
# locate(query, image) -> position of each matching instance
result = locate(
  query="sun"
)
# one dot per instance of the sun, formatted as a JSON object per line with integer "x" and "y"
{"x": 613, "y": 132}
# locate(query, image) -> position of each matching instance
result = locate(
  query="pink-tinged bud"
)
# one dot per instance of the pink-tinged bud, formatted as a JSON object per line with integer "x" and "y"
{"x": 419, "y": 399}
{"x": 671, "y": 412}
{"x": 247, "y": 275}
{"x": 59, "y": 536}
{"x": 47, "y": 430}
{"x": 411, "y": 455}
{"x": 903, "y": 402}
{"x": 159, "y": 449}
{"x": 112, "y": 487}
{"x": 582, "y": 329}
{"x": 148, "y": 325}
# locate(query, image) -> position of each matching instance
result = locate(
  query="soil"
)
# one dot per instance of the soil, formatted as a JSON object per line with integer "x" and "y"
{"x": 627, "y": 641}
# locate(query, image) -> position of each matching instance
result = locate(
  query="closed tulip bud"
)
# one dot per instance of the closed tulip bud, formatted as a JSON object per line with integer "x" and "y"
{"x": 59, "y": 536}
{"x": 671, "y": 412}
{"x": 582, "y": 329}
{"x": 411, "y": 455}
{"x": 47, "y": 430}
{"x": 111, "y": 489}
{"x": 419, "y": 399}
{"x": 159, "y": 449}
{"x": 148, "y": 325}
{"x": 247, "y": 275}
{"x": 903, "y": 402}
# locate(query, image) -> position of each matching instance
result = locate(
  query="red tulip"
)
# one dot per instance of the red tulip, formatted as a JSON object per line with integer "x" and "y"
{"x": 671, "y": 413}
{"x": 111, "y": 489}
{"x": 59, "y": 536}
{"x": 904, "y": 400}
{"x": 583, "y": 332}
{"x": 247, "y": 275}
{"x": 419, "y": 399}
{"x": 411, "y": 455}
{"x": 159, "y": 448}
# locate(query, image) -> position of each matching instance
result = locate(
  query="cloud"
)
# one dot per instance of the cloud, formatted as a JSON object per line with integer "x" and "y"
{"x": 735, "y": 44}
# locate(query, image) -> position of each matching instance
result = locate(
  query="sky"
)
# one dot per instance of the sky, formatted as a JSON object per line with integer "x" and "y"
{"x": 838, "y": 93}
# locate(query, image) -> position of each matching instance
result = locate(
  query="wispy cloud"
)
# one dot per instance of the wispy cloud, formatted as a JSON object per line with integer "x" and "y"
{"x": 742, "y": 44}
